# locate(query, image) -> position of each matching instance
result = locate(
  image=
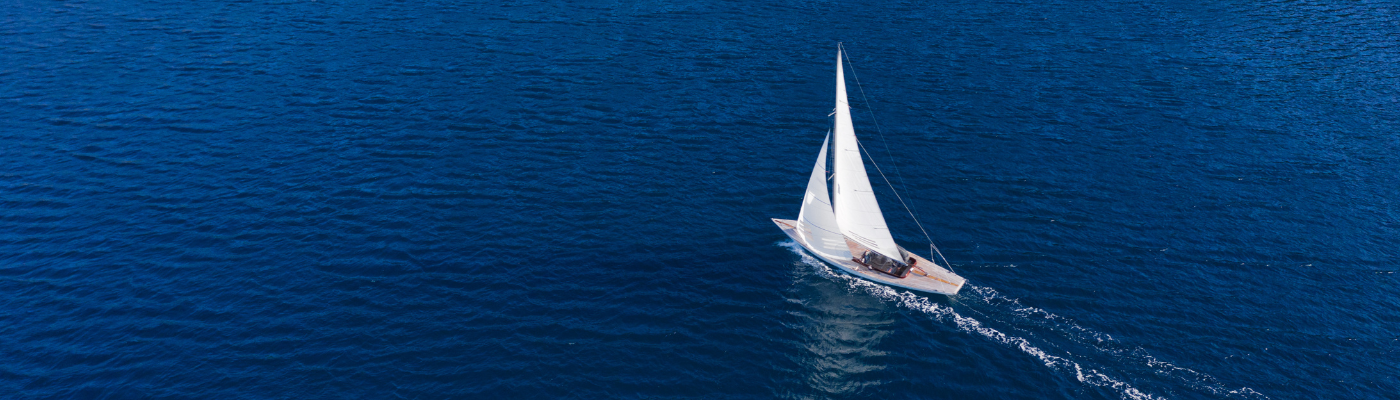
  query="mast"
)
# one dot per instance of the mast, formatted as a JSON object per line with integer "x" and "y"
{"x": 857, "y": 212}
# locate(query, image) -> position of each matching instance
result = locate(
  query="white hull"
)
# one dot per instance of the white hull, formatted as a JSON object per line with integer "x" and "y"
{"x": 935, "y": 279}
{"x": 848, "y": 221}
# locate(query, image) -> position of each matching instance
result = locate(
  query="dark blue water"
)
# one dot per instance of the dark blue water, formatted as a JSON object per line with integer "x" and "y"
{"x": 422, "y": 200}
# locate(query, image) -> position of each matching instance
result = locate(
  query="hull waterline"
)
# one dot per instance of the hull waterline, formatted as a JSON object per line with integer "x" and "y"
{"x": 930, "y": 279}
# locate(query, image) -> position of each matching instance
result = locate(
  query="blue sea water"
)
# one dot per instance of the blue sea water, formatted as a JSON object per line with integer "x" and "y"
{"x": 422, "y": 200}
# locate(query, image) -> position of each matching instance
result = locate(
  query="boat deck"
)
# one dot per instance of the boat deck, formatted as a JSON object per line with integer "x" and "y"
{"x": 924, "y": 277}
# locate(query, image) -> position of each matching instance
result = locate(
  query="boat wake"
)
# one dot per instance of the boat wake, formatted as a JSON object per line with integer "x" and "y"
{"x": 1024, "y": 322}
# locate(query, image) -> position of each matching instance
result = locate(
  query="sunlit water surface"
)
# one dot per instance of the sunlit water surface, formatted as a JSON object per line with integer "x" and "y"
{"x": 331, "y": 199}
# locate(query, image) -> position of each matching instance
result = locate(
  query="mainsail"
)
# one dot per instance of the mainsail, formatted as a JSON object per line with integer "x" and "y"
{"x": 845, "y": 228}
{"x": 856, "y": 211}
{"x": 816, "y": 223}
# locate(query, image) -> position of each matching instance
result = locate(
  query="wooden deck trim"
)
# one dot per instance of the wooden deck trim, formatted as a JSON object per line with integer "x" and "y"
{"x": 938, "y": 281}
{"x": 923, "y": 261}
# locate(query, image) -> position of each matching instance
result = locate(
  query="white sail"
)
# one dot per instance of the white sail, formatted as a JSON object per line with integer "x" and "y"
{"x": 816, "y": 223}
{"x": 828, "y": 222}
{"x": 857, "y": 212}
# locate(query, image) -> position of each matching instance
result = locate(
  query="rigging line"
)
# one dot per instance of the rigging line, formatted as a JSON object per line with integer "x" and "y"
{"x": 906, "y": 208}
{"x": 891, "y": 155}
{"x": 940, "y": 255}
{"x": 878, "y": 129}
{"x": 901, "y": 202}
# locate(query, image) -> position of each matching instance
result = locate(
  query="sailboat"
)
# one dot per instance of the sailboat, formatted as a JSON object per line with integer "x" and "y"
{"x": 852, "y": 235}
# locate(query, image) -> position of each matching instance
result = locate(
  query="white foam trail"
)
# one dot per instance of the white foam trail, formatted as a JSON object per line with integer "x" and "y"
{"x": 967, "y": 324}
{"x": 1085, "y": 375}
{"x": 1080, "y": 333}
{"x": 1101, "y": 341}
